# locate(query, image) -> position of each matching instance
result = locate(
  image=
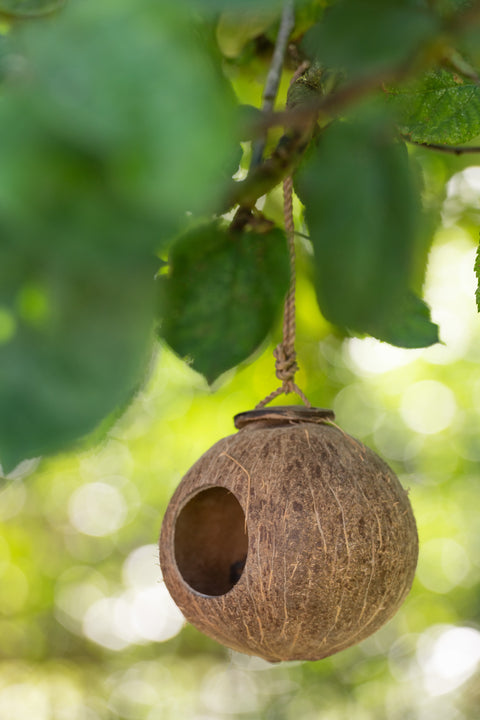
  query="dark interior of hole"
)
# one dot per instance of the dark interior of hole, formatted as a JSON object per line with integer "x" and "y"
{"x": 211, "y": 541}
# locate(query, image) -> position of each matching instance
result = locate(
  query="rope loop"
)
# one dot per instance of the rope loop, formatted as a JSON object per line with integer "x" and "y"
{"x": 285, "y": 356}
{"x": 285, "y": 364}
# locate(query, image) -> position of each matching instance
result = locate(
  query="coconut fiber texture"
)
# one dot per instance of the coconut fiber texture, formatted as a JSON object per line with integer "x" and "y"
{"x": 289, "y": 540}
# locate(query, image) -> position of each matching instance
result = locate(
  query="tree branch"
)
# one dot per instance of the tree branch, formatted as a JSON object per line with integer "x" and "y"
{"x": 327, "y": 105}
{"x": 300, "y": 123}
{"x": 264, "y": 177}
{"x": 274, "y": 75}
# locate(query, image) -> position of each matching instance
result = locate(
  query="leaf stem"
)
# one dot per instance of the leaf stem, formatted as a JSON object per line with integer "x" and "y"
{"x": 458, "y": 150}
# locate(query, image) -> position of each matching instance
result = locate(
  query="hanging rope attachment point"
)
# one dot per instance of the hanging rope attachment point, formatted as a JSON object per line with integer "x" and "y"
{"x": 285, "y": 354}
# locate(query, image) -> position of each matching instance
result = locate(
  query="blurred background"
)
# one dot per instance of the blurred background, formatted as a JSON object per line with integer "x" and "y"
{"x": 87, "y": 628}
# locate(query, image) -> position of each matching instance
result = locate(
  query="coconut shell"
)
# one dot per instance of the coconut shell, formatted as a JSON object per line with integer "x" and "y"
{"x": 289, "y": 540}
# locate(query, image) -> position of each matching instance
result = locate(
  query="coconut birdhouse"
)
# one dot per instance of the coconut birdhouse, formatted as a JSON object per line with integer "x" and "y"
{"x": 290, "y": 539}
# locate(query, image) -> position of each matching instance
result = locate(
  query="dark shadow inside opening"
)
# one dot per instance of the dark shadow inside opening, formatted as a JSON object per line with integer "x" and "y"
{"x": 211, "y": 541}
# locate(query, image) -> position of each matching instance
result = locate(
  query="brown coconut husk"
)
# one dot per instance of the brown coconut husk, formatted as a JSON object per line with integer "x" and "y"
{"x": 289, "y": 540}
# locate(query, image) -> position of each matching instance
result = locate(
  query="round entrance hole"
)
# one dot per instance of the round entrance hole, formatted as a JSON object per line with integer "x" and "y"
{"x": 211, "y": 541}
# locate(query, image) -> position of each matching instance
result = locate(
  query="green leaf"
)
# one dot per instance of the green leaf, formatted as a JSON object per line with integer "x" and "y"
{"x": 362, "y": 210}
{"x": 438, "y": 108}
{"x": 409, "y": 325}
{"x": 79, "y": 321}
{"x": 114, "y": 121}
{"x": 369, "y": 36}
{"x": 134, "y": 84}
{"x": 223, "y": 293}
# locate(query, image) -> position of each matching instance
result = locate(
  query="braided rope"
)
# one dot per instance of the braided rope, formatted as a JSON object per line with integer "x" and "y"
{"x": 285, "y": 354}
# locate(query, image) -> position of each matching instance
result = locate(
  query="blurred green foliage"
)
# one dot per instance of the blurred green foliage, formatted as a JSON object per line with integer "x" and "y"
{"x": 101, "y": 157}
{"x": 24, "y": 9}
{"x": 371, "y": 36}
{"x": 119, "y": 134}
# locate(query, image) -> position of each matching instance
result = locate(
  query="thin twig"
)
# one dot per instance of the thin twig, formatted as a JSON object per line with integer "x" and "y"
{"x": 274, "y": 75}
{"x": 264, "y": 177}
{"x": 451, "y": 149}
